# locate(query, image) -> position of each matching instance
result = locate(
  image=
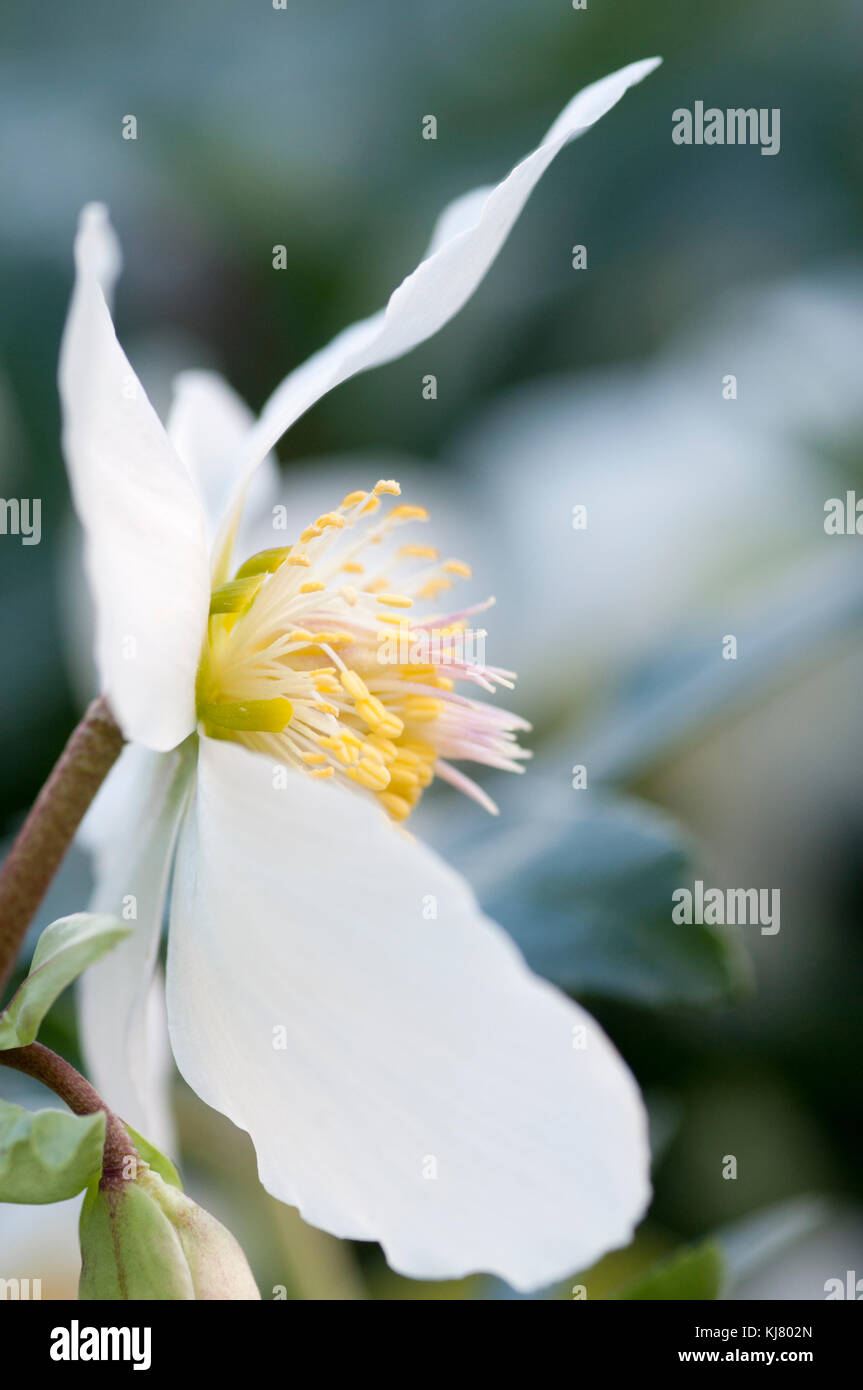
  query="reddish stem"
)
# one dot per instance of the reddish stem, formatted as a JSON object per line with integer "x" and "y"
{"x": 50, "y": 827}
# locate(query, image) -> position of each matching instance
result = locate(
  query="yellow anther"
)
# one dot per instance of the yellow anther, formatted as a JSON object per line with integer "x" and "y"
{"x": 406, "y": 512}
{"x": 372, "y": 505}
{"x": 403, "y": 779}
{"x": 374, "y": 586}
{"x": 423, "y": 750}
{"x": 353, "y": 498}
{"x": 434, "y": 586}
{"x": 265, "y": 562}
{"x": 330, "y": 519}
{"x": 417, "y": 552}
{"x": 327, "y": 685}
{"x": 382, "y": 720}
{"x": 314, "y": 757}
{"x": 394, "y": 620}
{"x": 370, "y": 774}
{"x": 374, "y": 754}
{"x": 301, "y": 634}
{"x": 328, "y": 709}
{"x": 311, "y": 533}
{"x": 312, "y": 586}
{"x": 420, "y": 709}
{"x": 322, "y": 772}
{"x": 446, "y": 683}
{"x": 248, "y": 716}
{"x": 353, "y": 567}
{"x": 396, "y": 600}
{"x": 337, "y": 746}
{"x": 384, "y": 746}
{"x": 389, "y": 486}
{"x": 458, "y": 567}
{"x": 354, "y": 685}
{"x": 398, "y": 808}
{"x": 298, "y": 557}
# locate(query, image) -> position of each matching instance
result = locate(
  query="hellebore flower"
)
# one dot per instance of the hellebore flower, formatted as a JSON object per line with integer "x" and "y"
{"x": 332, "y": 987}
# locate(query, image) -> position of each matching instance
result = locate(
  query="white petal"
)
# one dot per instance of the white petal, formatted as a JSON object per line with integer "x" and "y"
{"x": 468, "y": 236}
{"x": 209, "y": 426}
{"x": 146, "y": 550}
{"x": 131, "y": 831}
{"x": 412, "y": 1042}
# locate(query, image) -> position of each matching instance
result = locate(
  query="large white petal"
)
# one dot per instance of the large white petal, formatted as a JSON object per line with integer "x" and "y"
{"x": 146, "y": 550}
{"x": 468, "y": 236}
{"x": 131, "y": 832}
{"x": 412, "y": 1042}
{"x": 209, "y": 426}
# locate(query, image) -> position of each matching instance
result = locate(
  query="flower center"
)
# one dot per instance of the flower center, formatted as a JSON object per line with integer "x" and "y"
{"x": 311, "y": 658}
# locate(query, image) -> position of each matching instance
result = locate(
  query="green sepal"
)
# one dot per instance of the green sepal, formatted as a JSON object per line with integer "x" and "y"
{"x": 156, "y": 1160}
{"x": 47, "y": 1155}
{"x": 694, "y": 1272}
{"x": 64, "y": 950}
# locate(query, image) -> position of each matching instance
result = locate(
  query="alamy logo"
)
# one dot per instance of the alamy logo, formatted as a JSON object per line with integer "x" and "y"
{"x": 442, "y": 646}
{"x": 849, "y": 1287}
{"x": 21, "y": 517}
{"x": 76, "y": 1343}
{"x": 737, "y": 126}
{"x": 719, "y": 907}
{"x": 20, "y": 1288}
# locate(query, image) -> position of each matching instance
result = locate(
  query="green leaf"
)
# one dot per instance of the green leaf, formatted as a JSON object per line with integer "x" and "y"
{"x": 47, "y": 1155}
{"x": 588, "y": 900}
{"x": 694, "y": 1273}
{"x": 63, "y": 951}
{"x": 158, "y": 1161}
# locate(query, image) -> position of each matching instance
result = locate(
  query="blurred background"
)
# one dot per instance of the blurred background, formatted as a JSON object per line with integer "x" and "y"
{"x": 556, "y": 387}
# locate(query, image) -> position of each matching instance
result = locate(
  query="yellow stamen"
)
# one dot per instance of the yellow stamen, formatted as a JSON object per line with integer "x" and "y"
{"x": 417, "y": 552}
{"x": 396, "y": 600}
{"x": 398, "y": 808}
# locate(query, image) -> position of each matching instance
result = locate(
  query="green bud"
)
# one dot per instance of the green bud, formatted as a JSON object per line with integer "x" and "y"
{"x": 143, "y": 1239}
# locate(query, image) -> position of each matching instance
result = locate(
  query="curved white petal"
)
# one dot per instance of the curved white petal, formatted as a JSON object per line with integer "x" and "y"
{"x": 334, "y": 989}
{"x": 146, "y": 551}
{"x": 209, "y": 426}
{"x": 131, "y": 832}
{"x": 468, "y": 236}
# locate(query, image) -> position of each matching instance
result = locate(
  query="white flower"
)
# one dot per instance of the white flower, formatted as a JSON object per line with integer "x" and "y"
{"x": 332, "y": 986}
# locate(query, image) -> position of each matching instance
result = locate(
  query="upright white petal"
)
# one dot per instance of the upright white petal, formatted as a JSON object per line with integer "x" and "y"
{"x": 146, "y": 550}
{"x": 209, "y": 426}
{"x": 468, "y": 236}
{"x": 131, "y": 832}
{"x": 334, "y": 989}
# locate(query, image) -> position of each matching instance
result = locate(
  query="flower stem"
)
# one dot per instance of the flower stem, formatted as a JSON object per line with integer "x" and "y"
{"x": 50, "y": 827}
{"x": 67, "y": 1083}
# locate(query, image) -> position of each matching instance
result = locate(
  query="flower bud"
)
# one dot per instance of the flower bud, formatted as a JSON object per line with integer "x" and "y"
{"x": 141, "y": 1238}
